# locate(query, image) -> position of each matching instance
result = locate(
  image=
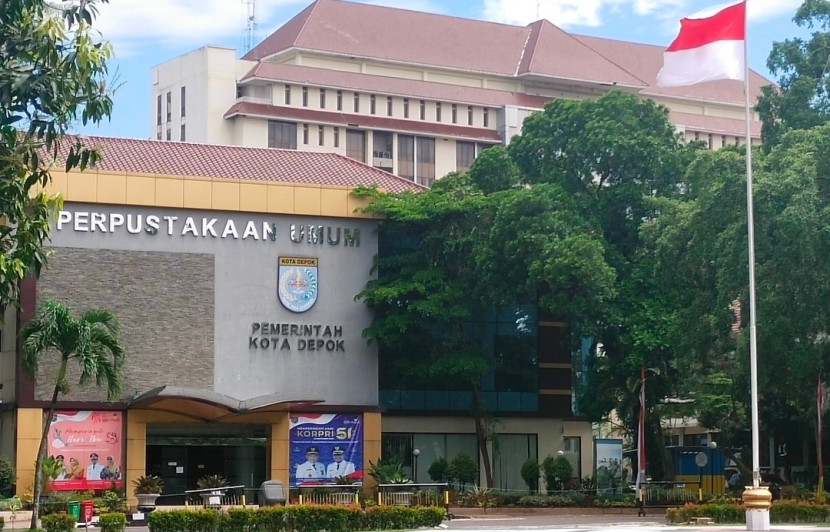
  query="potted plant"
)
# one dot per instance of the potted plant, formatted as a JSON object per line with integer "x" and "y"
{"x": 147, "y": 488}
{"x": 213, "y": 483}
{"x": 392, "y": 473}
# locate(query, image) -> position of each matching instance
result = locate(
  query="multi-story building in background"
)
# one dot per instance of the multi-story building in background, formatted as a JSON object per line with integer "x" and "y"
{"x": 416, "y": 94}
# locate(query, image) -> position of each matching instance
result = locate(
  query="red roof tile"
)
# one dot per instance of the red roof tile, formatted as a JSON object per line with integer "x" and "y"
{"x": 364, "y": 121}
{"x": 540, "y": 49}
{"x": 233, "y": 162}
{"x": 424, "y": 90}
{"x": 715, "y": 124}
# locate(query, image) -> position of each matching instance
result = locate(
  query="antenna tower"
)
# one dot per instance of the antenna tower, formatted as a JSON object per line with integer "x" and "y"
{"x": 250, "y": 24}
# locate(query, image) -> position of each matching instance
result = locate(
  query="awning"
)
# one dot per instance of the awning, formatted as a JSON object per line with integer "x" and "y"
{"x": 208, "y": 406}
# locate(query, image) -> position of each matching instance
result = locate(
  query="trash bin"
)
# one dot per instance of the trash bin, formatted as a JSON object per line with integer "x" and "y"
{"x": 272, "y": 493}
{"x": 75, "y": 510}
{"x": 88, "y": 508}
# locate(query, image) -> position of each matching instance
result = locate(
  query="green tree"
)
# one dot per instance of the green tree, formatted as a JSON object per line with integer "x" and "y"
{"x": 557, "y": 472}
{"x": 91, "y": 341}
{"x": 53, "y": 72}
{"x": 802, "y": 98}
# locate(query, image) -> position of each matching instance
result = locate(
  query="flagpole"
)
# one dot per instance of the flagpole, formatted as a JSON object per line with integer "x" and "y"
{"x": 753, "y": 343}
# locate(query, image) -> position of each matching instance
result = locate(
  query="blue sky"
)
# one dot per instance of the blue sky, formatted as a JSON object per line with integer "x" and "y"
{"x": 148, "y": 32}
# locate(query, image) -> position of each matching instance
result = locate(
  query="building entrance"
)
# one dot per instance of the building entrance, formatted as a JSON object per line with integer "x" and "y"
{"x": 182, "y": 454}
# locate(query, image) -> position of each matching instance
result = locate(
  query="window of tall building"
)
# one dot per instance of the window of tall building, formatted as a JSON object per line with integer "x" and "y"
{"x": 169, "y": 106}
{"x": 282, "y": 135}
{"x": 711, "y": 141}
{"x": 182, "y": 102}
{"x": 437, "y": 111}
{"x": 388, "y": 106}
{"x": 182, "y": 133}
{"x": 337, "y": 137}
{"x": 406, "y": 156}
{"x": 158, "y": 135}
{"x": 287, "y": 97}
{"x": 469, "y": 115}
{"x": 722, "y": 141}
{"x": 322, "y": 98}
{"x": 423, "y": 110}
{"x": 372, "y": 104}
{"x": 425, "y": 169}
{"x": 486, "y": 117}
{"x": 382, "y": 150}
{"x": 454, "y": 114}
{"x": 305, "y": 96}
{"x": 169, "y": 134}
{"x": 406, "y": 107}
{"x": 158, "y": 111}
{"x": 356, "y": 104}
{"x": 339, "y": 100}
{"x": 356, "y": 145}
{"x": 321, "y": 136}
{"x": 697, "y": 135}
{"x": 305, "y": 133}
{"x": 465, "y": 154}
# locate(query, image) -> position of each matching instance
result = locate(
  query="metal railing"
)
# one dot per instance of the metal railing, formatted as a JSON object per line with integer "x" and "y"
{"x": 429, "y": 494}
{"x": 330, "y": 494}
{"x": 216, "y": 497}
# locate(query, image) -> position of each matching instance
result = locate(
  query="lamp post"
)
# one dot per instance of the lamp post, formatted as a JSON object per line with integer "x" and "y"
{"x": 712, "y": 445}
{"x": 415, "y": 454}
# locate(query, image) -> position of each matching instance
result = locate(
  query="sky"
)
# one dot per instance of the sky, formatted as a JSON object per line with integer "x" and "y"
{"x": 145, "y": 33}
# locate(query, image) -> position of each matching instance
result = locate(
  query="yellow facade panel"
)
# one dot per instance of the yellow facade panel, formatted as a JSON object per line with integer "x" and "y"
{"x": 225, "y": 195}
{"x": 307, "y": 200}
{"x": 83, "y": 186}
{"x": 141, "y": 190}
{"x": 59, "y": 183}
{"x": 280, "y": 448}
{"x": 197, "y": 194}
{"x": 169, "y": 192}
{"x": 253, "y": 197}
{"x": 280, "y": 199}
{"x": 112, "y": 188}
{"x": 371, "y": 443}
{"x": 334, "y": 202}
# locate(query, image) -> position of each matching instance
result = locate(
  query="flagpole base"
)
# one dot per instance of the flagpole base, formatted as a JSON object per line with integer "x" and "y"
{"x": 757, "y": 502}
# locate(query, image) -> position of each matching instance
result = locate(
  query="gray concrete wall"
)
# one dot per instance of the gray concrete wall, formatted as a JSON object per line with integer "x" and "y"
{"x": 206, "y": 292}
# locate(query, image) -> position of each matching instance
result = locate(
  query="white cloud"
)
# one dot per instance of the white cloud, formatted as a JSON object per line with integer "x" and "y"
{"x": 567, "y": 13}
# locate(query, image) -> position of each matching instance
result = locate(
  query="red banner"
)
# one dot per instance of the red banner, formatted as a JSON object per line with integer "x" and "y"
{"x": 87, "y": 445}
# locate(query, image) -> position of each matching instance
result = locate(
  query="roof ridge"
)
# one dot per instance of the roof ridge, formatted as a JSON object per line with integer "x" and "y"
{"x": 532, "y": 34}
{"x": 633, "y": 75}
{"x": 545, "y": 23}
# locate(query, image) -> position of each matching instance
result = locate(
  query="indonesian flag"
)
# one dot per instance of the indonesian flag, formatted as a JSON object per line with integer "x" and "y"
{"x": 707, "y": 49}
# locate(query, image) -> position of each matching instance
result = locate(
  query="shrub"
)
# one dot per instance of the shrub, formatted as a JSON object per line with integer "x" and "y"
{"x": 7, "y": 477}
{"x": 111, "y": 502}
{"x": 557, "y": 471}
{"x": 438, "y": 470}
{"x": 112, "y": 522}
{"x": 401, "y": 517}
{"x": 530, "y": 474}
{"x": 463, "y": 469}
{"x": 58, "y": 523}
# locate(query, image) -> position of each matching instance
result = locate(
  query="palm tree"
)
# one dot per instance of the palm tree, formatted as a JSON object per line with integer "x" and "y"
{"x": 92, "y": 341}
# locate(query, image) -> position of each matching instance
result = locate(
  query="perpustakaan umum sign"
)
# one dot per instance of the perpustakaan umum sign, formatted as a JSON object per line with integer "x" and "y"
{"x": 204, "y": 227}
{"x": 302, "y": 337}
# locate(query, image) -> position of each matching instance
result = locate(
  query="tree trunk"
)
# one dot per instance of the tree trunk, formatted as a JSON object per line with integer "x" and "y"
{"x": 481, "y": 439}
{"x": 41, "y": 452}
{"x": 820, "y": 464}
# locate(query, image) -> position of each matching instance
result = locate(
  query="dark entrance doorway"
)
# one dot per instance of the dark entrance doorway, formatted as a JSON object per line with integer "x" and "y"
{"x": 182, "y": 454}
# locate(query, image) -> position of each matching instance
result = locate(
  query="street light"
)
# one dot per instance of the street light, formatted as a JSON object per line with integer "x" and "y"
{"x": 712, "y": 445}
{"x": 415, "y": 455}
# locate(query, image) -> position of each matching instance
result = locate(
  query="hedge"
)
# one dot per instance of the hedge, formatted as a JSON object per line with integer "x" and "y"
{"x": 783, "y": 511}
{"x": 58, "y": 523}
{"x": 112, "y": 522}
{"x": 296, "y": 519}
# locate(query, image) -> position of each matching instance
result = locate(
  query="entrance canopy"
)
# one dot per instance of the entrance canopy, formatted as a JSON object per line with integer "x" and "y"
{"x": 204, "y": 405}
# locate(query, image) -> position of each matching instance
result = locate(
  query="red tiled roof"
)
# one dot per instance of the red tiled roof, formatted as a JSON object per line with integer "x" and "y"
{"x": 233, "y": 162}
{"x": 645, "y": 61}
{"x": 540, "y": 49}
{"x": 399, "y": 35}
{"x": 364, "y": 121}
{"x": 424, "y": 90}
{"x": 714, "y": 124}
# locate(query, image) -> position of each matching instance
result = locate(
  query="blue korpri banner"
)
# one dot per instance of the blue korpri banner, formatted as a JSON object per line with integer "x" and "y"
{"x": 325, "y": 447}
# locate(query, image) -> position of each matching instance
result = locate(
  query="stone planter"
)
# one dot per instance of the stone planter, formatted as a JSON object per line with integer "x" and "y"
{"x": 146, "y": 500}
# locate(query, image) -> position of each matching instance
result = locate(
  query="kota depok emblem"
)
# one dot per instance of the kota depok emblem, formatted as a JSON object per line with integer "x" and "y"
{"x": 297, "y": 283}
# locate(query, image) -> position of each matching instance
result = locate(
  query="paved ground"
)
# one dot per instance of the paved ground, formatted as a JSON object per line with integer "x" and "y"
{"x": 592, "y": 523}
